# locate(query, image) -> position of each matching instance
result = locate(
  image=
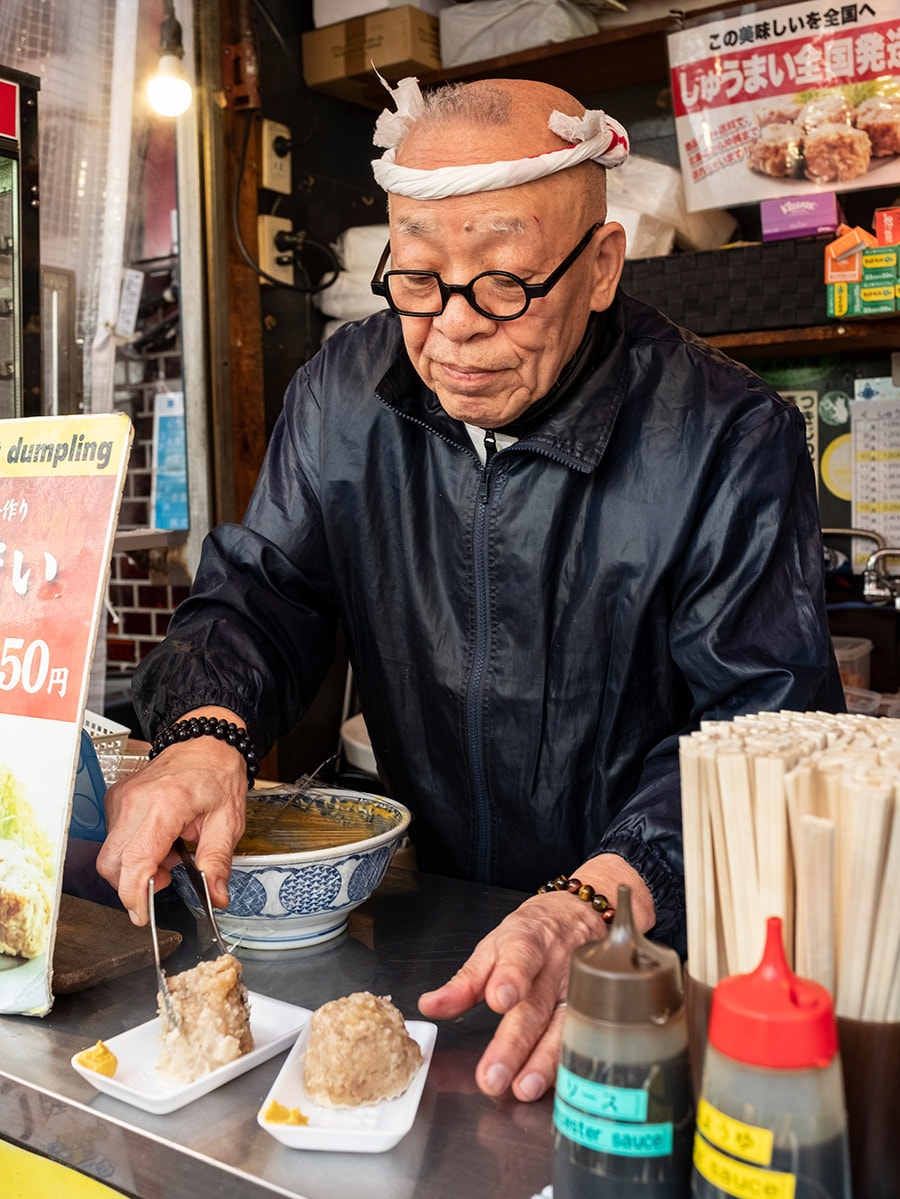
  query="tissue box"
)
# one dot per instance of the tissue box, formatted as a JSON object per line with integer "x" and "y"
{"x": 338, "y": 59}
{"x": 800, "y": 216}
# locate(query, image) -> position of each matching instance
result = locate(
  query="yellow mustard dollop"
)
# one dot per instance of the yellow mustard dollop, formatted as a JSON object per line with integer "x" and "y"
{"x": 277, "y": 1113}
{"x": 99, "y": 1058}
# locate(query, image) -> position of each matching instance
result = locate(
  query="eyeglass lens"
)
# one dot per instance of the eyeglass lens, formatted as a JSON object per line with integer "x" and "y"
{"x": 419, "y": 293}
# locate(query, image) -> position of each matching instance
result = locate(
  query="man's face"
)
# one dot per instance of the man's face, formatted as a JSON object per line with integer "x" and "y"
{"x": 487, "y": 372}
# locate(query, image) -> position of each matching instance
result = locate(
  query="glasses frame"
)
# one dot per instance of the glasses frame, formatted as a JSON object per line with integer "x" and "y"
{"x": 533, "y": 291}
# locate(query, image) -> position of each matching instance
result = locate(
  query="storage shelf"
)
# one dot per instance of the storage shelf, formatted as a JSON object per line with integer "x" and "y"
{"x": 624, "y": 56}
{"x": 836, "y": 337}
{"x": 618, "y": 57}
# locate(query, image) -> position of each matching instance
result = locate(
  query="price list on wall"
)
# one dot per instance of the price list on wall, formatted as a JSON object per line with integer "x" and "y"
{"x": 875, "y": 451}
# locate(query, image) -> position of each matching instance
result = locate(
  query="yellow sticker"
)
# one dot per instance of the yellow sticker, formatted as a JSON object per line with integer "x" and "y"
{"x": 837, "y": 468}
{"x": 740, "y": 1140}
{"x": 736, "y": 1179}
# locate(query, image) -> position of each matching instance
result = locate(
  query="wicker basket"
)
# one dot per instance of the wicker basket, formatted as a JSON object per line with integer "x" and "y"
{"x": 773, "y": 285}
{"x": 107, "y": 736}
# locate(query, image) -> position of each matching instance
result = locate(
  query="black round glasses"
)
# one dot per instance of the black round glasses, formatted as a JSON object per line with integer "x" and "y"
{"x": 498, "y": 295}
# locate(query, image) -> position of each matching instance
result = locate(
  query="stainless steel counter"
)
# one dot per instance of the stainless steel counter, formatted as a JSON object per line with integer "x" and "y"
{"x": 410, "y": 937}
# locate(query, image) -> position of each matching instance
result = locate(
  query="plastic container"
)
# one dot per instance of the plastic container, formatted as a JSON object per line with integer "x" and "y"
{"x": 101, "y": 741}
{"x": 771, "y": 1119}
{"x": 854, "y": 656}
{"x": 623, "y": 1113}
{"x": 862, "y": 702}
{"x": 88, "y": 820}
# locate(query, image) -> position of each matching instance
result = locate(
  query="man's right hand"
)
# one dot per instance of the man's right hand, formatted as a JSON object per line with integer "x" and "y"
{"x": 195, "y": 789}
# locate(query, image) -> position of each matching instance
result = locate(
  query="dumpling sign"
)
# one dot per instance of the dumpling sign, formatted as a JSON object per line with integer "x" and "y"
{"x": 61, "y": 481}
{"x": 785, "y": 101}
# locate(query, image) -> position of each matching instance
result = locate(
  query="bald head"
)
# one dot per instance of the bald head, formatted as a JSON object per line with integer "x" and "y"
{"x": 507, "y": 118}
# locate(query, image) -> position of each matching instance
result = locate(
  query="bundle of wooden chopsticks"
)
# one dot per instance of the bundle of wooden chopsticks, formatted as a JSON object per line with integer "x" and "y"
{"x": 797, "y": 815}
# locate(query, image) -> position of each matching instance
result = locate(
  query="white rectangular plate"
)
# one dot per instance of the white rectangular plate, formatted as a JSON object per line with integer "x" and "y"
{"x": 137, "y": 1081}
{"x": 368, "y": 1129}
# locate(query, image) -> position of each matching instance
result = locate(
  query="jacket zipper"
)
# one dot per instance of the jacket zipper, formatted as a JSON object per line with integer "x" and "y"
{"x": 476, "y": 687}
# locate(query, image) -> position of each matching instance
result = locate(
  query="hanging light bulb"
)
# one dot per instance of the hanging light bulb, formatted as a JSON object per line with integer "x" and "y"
{"x": 169, "y": 92}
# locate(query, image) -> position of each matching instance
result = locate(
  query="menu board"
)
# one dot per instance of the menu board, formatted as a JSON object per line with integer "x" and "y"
{"x": 772, "y": 102}
{"x": 61, "y": 481}
{"x": 875, "y": 427}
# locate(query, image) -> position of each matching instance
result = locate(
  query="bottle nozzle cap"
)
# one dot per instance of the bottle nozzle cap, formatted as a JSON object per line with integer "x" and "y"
{"x": 772, "y": 1017}
{"x": 625, "y": 978}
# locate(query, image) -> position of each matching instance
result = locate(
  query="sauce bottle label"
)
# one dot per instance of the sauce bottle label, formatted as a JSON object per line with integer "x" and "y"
{"x": 737, "y": 1179}
{"x": 746, "y": 1141}
{"x": 608, "y": 1136}
{"x": 597, "y": 1099}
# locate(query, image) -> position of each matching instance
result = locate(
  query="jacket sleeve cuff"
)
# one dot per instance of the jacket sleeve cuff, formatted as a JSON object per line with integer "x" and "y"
{"x": 666, "y": 888}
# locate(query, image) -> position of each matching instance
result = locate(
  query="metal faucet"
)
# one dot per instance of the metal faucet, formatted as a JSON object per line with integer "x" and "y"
{"x": 879, "y": 586}
{"x": 831, "y": 557}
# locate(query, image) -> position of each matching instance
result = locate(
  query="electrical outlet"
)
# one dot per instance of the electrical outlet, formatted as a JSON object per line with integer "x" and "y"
{"x": 276, "y": 169}
{"x": 267, "y": 228}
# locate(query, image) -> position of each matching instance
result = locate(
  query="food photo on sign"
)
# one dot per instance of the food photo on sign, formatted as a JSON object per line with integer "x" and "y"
{"x": 786, "y": 100}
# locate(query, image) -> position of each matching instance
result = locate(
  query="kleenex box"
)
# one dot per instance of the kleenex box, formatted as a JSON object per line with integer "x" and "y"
{"x": 800, "y": 216}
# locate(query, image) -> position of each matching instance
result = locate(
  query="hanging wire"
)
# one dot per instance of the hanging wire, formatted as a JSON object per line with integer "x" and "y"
{"x": 294, "y": 61}
{"x": 245, "y": 253}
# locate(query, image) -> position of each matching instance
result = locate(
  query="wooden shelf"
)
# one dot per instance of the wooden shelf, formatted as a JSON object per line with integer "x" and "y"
{"x": 624, "y": 56}
{"x": 834, "y": 338}
{"x": 613, "y": 58}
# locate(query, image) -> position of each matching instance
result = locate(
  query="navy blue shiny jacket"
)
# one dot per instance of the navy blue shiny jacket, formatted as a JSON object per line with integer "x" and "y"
{"x": 529, "y": 638}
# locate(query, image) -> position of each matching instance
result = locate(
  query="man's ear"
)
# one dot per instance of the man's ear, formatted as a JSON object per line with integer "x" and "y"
{"x": 608, "y": 249}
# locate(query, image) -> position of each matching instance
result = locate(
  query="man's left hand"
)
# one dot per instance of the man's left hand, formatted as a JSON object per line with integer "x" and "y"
{"x": 521, "y": 969}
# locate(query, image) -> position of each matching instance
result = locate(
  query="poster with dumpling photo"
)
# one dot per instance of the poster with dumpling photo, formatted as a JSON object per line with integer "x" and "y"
{"x": 61, "y": 481}
{"x": 785, "y": 100}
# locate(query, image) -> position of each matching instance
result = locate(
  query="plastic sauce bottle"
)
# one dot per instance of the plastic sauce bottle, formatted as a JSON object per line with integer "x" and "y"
{"x": 771, "y": 1119}
{"x": 623, "y": 1115}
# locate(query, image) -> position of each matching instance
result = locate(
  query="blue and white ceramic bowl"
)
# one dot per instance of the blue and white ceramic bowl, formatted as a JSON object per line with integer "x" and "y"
{"x": 284, "y": 896}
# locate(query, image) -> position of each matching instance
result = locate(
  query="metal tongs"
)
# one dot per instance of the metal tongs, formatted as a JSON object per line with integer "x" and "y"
{"x": 160, "y": 973}
{"x": 200, "y": 885}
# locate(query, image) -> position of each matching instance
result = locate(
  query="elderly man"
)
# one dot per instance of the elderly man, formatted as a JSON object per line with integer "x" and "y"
{"x": 557, "y": 531}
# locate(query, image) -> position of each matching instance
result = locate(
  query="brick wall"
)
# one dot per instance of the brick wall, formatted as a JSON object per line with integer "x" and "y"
{"x": 145, "y": 585}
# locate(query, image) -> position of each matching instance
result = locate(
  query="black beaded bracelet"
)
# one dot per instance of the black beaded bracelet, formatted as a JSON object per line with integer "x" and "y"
{"x": 583, "y": 891}
{"x": 208, "y": 726}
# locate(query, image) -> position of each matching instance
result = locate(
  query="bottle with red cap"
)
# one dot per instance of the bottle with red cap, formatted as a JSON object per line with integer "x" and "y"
{"x": 771, "y": 1119}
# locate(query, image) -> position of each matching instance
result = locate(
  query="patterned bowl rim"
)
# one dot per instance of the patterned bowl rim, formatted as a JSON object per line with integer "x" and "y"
{"x": 301, "y": 857}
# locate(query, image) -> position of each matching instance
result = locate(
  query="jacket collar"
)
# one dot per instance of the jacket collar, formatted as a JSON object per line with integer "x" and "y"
{"x": 572, "y": 424}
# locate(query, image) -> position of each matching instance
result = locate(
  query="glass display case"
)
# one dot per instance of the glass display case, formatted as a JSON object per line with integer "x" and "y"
{"x": 20, "y": 285}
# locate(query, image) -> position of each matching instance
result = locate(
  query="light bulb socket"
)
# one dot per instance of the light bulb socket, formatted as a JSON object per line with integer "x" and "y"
{"x": 170, "y": 39}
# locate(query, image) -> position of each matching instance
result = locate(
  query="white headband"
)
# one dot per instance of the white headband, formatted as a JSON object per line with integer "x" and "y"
{"x": 595, "y": 137}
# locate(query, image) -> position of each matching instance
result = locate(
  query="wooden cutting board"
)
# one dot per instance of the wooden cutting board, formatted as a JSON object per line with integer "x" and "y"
{"x": 95, "y": 943}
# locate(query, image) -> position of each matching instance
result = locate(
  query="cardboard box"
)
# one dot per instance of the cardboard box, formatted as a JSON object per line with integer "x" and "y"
{"x": 887, "y": 226}
{"x": 338, "y": 59}
{"x": 800, "y": 216}
{"x": 879, "y": 266}
{"x": 843, "y": 256}
{"x": 329, "y": 12}
{"x": 858, "y": 299}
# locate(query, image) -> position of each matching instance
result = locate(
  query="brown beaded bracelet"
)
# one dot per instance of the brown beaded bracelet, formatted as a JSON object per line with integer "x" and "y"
{"x": 583, "y": 891}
